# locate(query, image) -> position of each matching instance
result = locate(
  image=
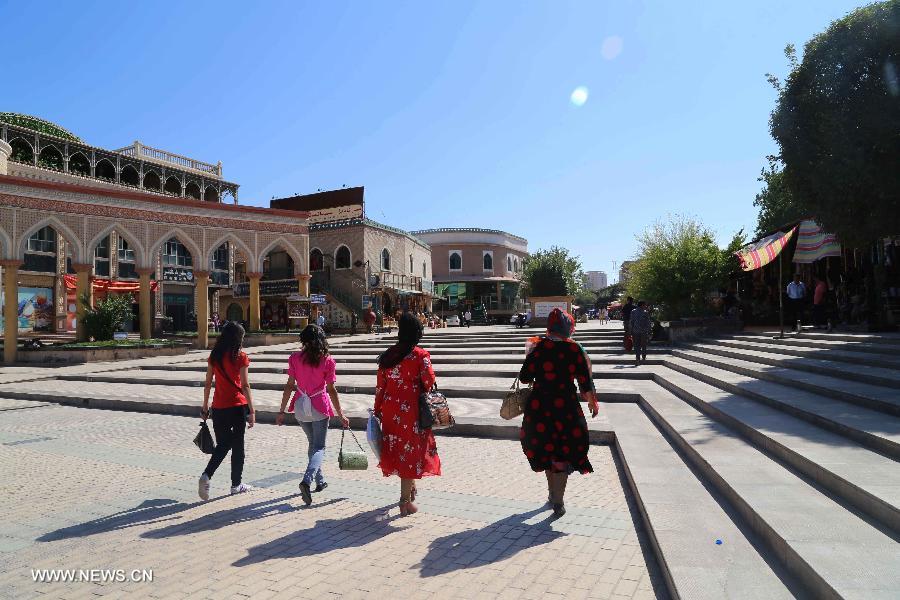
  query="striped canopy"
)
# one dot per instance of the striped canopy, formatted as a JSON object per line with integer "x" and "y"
{"x": 764, "y": 251}
{"x": 813, "y": 243}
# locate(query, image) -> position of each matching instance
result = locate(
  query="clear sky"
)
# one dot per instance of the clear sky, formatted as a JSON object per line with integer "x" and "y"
{"x": 569, "y": 123}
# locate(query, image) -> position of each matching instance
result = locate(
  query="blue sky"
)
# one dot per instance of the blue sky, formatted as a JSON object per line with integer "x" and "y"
{"x": 452, "y": 114}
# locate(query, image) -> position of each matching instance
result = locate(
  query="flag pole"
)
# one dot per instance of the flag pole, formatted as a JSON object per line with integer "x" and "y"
{"x": 780, "y": 299}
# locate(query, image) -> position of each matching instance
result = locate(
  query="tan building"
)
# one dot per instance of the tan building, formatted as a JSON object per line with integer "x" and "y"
{"x": 477, "y": 267}
{"x": 75, "y": 221}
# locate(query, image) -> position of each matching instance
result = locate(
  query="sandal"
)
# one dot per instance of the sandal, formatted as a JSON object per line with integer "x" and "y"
{"x": 407, "y": 508}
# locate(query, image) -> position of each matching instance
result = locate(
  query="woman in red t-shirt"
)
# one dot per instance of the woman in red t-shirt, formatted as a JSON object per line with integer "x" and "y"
{"x": 232, "y": 406}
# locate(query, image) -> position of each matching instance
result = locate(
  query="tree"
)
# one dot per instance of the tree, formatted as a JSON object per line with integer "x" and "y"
{"x": 610, "y": 293}
{"x": 103, "y": 320}
{"x": 679, "y": 265}
{"x": 775, "y": 202}
{"x": 552, "y": 272}
{"x": 837, "y": 121}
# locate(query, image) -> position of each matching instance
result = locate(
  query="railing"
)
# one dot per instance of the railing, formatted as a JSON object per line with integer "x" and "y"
{"x": 397, "y": 281}
{"x": 140, "y": 150}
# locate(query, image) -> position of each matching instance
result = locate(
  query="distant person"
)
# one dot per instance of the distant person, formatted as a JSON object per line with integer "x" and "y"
{"x": 641, "y": 327}
{"x": 232, "y": 406}
{"x": 353, "y": 322}
{"x": 796, "y": 293}
{"x": 404, "y": 373}
{"x": 604, "y": 316}
{"x": 554, "y": 432}
{"x": 311, "y": 379}
{"x": 320, "y": 320}
{"x": 369, "y": 320}
{"x": 626, "y": 313}
{"x": 467, "y": 317}
{"x": 820, "y": 291}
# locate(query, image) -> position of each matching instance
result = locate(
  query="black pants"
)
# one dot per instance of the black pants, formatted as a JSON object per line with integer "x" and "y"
{"x": 794, "y": 311}
{"x": 229, "y": 425}
{"x": 640, "y": 346}
{"x": 818, "y": 314}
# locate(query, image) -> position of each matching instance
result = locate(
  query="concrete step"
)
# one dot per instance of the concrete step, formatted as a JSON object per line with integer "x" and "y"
{"x": 684, "y": 521}
{"x": 804, "y": 342}
{"x": 832, "y": 551}
{"x": 863, "y": 374}
{"x": 869, "y": 428}
{"x": 830, "y": 354}
{"x": 467, "y": 359}
{"x": 855, "y": 475}
{"x": 869, "y": 396}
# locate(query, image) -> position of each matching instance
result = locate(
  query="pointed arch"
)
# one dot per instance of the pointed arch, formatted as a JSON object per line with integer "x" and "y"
{"x": 79, "y": 164}
{"x": 22, "y": 150}
{"x": 173, "y": 185}
{"x": 343, "y": 258}
{"x": 211, "y": 194}
{"x": 188, "y": 241}
{"x": 72, "y": 240}
{"x": 50, "y": 158}
{"x": 130, "y": 176}
{"x": 231, "y": 239}
{"x": 316, "y": 260}
{"x": 6, "y": 246}
{"x": 104, "y": 169}
{"x": 132, "y": 240}
{"x": 192, "y": 190}
{"x": 300, "y": 262}
{"x": 152, "y": 180}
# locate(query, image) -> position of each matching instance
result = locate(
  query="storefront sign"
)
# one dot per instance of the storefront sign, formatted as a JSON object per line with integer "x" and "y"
{"x": 35, "y": 309}
{"x": 317, "y": 299}
{"x": 275, "y": 287}
{"x": 542, "y": 310}
{"x": 298, "y": 310}
{"x": 176, "y": 274}
{"x": 366, "y": 301}
{"x": 337, "y": 213}
{"x": 183, "y": 299}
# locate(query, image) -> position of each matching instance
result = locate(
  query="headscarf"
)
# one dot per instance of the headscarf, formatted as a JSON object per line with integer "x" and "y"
{"x": 409, "y": 332}
{"x": 560, "y": 324}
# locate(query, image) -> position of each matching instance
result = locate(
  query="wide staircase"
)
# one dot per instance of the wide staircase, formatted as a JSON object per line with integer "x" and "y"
{"x": 760, "y": 467}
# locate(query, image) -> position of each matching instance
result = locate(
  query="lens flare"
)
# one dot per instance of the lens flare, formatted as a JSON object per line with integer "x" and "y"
{"x": 612, "y": 47}
{"x": 579, "y": 96}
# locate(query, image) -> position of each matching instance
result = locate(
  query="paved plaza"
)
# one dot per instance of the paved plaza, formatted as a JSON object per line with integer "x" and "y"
{"x": 741, "y": 467}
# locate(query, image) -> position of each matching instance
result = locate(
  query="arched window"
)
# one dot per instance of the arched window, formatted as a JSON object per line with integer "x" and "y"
{"x": 455, "y": 260}
{"x": 278, "y": 264}
{"x": 40, "y": 253}
{"x": 101, "y": 258}
{"x": 218, "y": 266}
{"x": 488, "y": 260}
{"x": 385, "y": 260}
{"x": 175, "y": 254}
{"x": 50, "y": 158}
{"x": 129, "y": 176}
{"x": 127, "y": 265}
{"x": 211, "y": 195}
{"x": 151, "y": 180}
{"x": 173, "y": 186}
{"x": 509, "y": 264}
{"x": 316, "y": 260}
{"x": 192, "y": 191}
{"x": 21, "y": 151}
{"x": 516, "y": 265}
{"x": 342, "y": 258}
{"x": 78, "y": 164}
{"x": 105, "y": 170}
{"x": 424, "y": 270}
{"x": 411, "y": 267}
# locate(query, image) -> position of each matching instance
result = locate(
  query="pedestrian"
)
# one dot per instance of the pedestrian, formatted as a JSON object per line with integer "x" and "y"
{"x": 232, "y": 406}
{"x": 467, "y": 317}
{"x": 796, "y": 293}
{"x": 311, "y": 379}
{"x": 404, "y": 373}
{"x": 554, "y": 433}
{"x": 604, "y": 316}
{"x": 820, "y": 290}
{"x": 369, "y": 320}
{"x": 353, "y": 321}
{"x": 320, "y": 320}
{"x": 626, "y": 314}
{"x": 641, "y": 327}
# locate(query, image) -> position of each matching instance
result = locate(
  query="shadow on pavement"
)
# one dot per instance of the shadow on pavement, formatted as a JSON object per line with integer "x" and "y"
{"x": 147, "y": 512}
{"x": 327, "y": 535}
{"x": 492, "y": 543}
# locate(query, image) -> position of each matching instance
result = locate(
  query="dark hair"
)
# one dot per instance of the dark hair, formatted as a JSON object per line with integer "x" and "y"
{"x": 409, "y": 332}
{"x": 315, "y": 346}
{"x": 231, "y": 338}
{"x": 641, "y": 303}
{"x": 630, "y": 299}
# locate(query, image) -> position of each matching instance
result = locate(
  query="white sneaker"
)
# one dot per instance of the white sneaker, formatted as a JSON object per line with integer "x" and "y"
{"x": 203, "y": 487}
{"x": 240, "y": 489}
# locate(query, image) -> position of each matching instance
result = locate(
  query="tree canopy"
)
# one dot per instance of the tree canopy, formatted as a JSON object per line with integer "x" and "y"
{"x": 775, "y": 201}
{"x": 679, "y": 264}
{"x": 837, "y": 123}
{"x": 552, "y": 272}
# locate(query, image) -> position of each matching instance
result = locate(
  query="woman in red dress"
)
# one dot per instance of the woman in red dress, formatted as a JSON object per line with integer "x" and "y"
{"x": 404, "y": 373}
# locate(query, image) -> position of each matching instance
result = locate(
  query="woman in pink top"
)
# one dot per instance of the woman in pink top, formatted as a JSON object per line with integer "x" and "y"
{"x": 311, "y": 377}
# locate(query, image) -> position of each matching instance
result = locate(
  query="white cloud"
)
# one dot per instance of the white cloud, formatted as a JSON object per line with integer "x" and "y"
{"x": 579, "y": 96}
{"x": 612, "y": 47}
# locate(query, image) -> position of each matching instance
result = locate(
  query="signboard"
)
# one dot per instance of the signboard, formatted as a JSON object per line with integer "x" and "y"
{"x": 177, "y": 299}
{"x": 298, "y": 310}
{"x": 336, "y": 213}
{"x": 274, "y": 287}
{"x": 317, "y": 299}
{"x": 176, "y": 274}
{"x": 120, "y": 335}
{"x": 366, "y": 301}
{"x": 34, "y": 310}
{"x": 542, "y": 310}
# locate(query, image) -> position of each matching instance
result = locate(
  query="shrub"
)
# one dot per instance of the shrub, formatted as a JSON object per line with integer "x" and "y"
{"x": 102, "y": 321}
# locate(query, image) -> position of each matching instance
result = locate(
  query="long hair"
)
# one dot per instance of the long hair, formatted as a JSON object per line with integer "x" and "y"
{"x": 315, "y": 346}
{"x": 409, "y": 332}
{"x": 229, "y": 343}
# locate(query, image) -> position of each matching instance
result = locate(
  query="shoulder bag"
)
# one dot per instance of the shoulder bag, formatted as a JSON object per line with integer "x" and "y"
{"x": 514, "y": 401}
{"x": 434, "y": 411}
{"x": 352, "y": 460}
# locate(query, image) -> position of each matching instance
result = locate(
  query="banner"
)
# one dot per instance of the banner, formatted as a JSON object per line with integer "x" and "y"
{"x": 813, "y": 243}
{"x": 764, "y": 251}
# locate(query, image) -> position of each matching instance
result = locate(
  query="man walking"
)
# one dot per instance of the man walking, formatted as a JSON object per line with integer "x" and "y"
{"x": 353, "y": 321}
{"x": 467, "y": 317}
{"x": 796, "y": 293}
{"x": 641, "y": 325}
{"x": 626, "y": 313}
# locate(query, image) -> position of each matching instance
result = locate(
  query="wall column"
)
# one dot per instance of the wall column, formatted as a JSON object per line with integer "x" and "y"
{"x": 303, "y": 281}
{"x": 10, "y": 309}
{"x": 499, "y": 296}
{"x": 201, "y": 280}
{"x": 145, "y": 302}
{"x": 82, "y": 288}
{"x": 254, "y": 300}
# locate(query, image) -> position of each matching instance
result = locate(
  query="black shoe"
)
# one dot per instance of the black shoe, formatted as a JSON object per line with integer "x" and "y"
{"x": 321, "y": 486}
{"x": 559, "y": 510}
{"x": 304, "y": 492}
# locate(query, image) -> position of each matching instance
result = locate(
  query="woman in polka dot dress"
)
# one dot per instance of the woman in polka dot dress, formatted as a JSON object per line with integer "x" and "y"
{"x": 554, "y": 431}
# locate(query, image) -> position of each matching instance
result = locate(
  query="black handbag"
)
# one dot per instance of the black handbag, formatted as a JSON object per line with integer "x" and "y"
{"x": 204, "y": 439}
{"x": 434, "y": 411}
{"x": 426, "y": 417}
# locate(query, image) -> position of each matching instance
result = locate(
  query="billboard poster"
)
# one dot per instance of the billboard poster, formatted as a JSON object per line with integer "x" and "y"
{"x": 542, "y": 310}
{"x": 35, "y": 309}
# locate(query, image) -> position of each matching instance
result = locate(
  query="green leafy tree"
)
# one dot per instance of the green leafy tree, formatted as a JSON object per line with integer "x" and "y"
{"x": 106, "y": 317}
{"x": 775, "y": 202}
{"x": 837, "y": 121}
{"x": 679, "y": 265}
{"x": 552, "y": 272}
{"x": 610, "y": 293}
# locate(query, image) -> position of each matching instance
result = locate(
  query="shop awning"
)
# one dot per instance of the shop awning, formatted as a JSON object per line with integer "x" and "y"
{"x": 764, "y": 251}
{"x": 107, "y": 285}
{"x": 813, "y": 243}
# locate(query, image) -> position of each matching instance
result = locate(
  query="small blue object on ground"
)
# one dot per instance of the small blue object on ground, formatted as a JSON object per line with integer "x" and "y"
{"x": 718, "y": 542}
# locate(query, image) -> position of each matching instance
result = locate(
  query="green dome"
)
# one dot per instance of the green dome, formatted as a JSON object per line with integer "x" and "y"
{"x": 39, "y": 125}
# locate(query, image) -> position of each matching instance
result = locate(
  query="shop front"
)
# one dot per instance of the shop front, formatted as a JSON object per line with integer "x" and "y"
{"x": 274, "y": 300}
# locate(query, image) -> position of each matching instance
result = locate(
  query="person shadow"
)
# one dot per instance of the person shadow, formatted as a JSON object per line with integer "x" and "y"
{"x": 148, "y": 512}
{"x": 326, "y": 535}
{"x": 231, "y": 516}
{"x": 495, "y": 542}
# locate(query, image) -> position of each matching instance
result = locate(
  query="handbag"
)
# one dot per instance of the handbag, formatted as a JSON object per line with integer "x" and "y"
{"x": 434, "y": 410}
{"x": 373, "y": 433}
{"x": 204, "y": 439}
{"x": 514, "y": 401}
{"x": 352, "y": 460}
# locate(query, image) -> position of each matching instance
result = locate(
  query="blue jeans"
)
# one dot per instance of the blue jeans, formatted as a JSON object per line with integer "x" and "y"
{"x": 315, "y": 434}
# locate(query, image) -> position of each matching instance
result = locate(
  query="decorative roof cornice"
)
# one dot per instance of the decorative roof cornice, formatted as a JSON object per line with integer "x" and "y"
{"x": 357, "y": 222}
{"x": 468, "y": 230}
